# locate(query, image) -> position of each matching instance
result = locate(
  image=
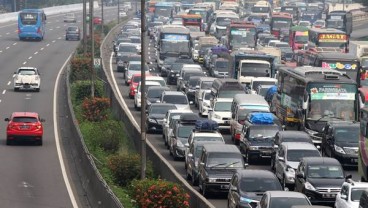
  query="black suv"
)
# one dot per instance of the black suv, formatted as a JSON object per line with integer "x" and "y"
{"x": 256, "y": 138}
{"x": 319, "y": 178}
{"x": 216, "y": 166}
{"x": 247, "y": 187}
{"x": 340, "y": 139}
{"x": 155, "y": 116}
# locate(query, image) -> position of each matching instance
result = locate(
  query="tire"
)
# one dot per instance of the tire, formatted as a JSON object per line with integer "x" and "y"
{"x": 38, "y": 90}
{"x": 194, "y": 180}
{"x": 204, "y": 191}
{"x": 16, "y": 89}
{"x": 39, "y": 142}
{"x": 9, "y": 142}
{"x": 130, "y": 96}
{"x": 249, "y": 160}
{"x": 272, "y": 165}
{"x": 283, "y": 182}
{"x": 189, "y": 177}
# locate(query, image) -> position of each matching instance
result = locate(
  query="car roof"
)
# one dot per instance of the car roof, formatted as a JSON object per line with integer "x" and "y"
{"x": 24, "y": 114}
{"x": 150, "y": 83}
{"x": 224, "y": 148}
{"x": 174, "y": 93}
{"x": 291, "y": 133}
{"x": 135, "y": 62}
{"x": 254, "y": 173}
{"x": 299, "y": 146}
{"x": 27, "y": 67}
{"x": 207, "y": 134}
{"x": 290, "y": 194}
{"x": 356, "y": 184}
{"x": 154, "y": 78}
{"x": 159, "y": 88}
{"x": 207, "y": 79}
{"x": 162, "y": 104}
{"x": 179, "y": 111}
{"x": 224, "y": 100}
{"x": 320, "y": 161}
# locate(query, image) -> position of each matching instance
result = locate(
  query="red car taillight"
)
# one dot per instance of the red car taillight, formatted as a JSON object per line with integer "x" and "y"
{"x": 19, "y": 31}
{"x": 39, "y": 30}
{"x": 237, "y": 136}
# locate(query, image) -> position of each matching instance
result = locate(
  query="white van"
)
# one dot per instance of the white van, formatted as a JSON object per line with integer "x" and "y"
{"x": 221, "y": 112}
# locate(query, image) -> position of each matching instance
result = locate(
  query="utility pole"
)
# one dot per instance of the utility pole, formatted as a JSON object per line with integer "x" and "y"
{"x": 118, "y": 11}
{"x": 102, "y": 19}
{"x": 84, "y": 28}
{"x": 92, "y": 49}
{"x": 15, "y": 5}
{"x": 143, "y": 98}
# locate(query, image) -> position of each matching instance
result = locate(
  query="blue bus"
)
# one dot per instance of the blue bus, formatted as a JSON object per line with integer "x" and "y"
{"x": 31, "y": 24}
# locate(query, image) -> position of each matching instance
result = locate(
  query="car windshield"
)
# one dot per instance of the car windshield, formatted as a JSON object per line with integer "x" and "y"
{"x": 263, "y": 131}
{"x": 259, "y": 184}
{"x": 325, "y": 171}
{"x": 136, "y": 79}
{"x": 73, "y": 29}
{"x": 27, "y": 72}
{"x": 223, "y": 106}
{"x": 28, "y": 18}
{"x": 356, "y": 193}
{"x": 255, "y": 84}
{"x": 208, "y": 96}
{"x": 222, "y": 64}
{"x": 23, "y": 119}
{"x": 206, "y": 85}
{"x": 221, "y": 160}
{"x": 160, "y": 109}
{"x": 154, "y": 93}
{"x": 287, "y": 202}
{"x": 193, "y": 82}
{"x": 297, "y": 154}
{"x": 347, "y": 134}
{"x": 135, "y": 40}
{"x": 229, "y": 93}
{"x": 175, "y": 99}
{"x": 184, "y": 131}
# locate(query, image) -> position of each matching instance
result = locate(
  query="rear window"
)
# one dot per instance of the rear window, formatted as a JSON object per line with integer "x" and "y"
{"x": 25, "y": 119}
{"x": 72, "y": 28}
{"x": 175, "y": 99}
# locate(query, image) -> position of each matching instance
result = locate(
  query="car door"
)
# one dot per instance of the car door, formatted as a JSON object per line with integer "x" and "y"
{"x": 264, "y": 202}
{"x": 280, "y": 162}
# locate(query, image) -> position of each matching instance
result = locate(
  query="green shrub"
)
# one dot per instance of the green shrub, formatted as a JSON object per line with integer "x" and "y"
{"x": 80, "y": 68}
{"x": 82, "y": 89}
{"x": 159, "y": 193}
{"x": 127, "y": 167}
{"x": 95, "y": 109}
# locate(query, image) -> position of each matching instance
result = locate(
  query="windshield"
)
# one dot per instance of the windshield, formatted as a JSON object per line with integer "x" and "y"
{"x": 223, "y": 106}
{"x": 127, "y": 49}
{"x": 192, "y": 74}
{"x": 135, "y": 40}
{"x": 29, "y": 18}
{"x": 174, "y": 46}
{"x": 305, "y": 24}
{"x": 206, "y": 85}
{"x": 260, "y": 9}
{"x": 136, "y": 79}
{"x": 245, "y": 109}
{"x": 72, "y": 29}
{"x": 301, "y": 39}
{"x": 255, "y": 69}
{"x": 290, "y": 10}
{"x": 255, "y": 84}
{"x": 262, "y": 132}
{"x": 160, "y": 109}
{"x": 333, "y": 23}
{"x": 347, "y": 134}
{"x": 341, "y": 45}
{"x": 194, "y": 28}
{"x": 364, "y": 62}
{"x": 297, "y": 154}
{"x": 203, "y": 13}
{"x": 242, "y": 38}
{"x": 184, "y": 131}
{"x": 27, "y": 72}
{"x": 175, "y": 99}
{"x": 287, "y": 202}
{"x": 229, "y": 93}
{"x": 325, "y": 171}
{"x": 198, "y": 151}
{"x": 222, "y": 64}
{"x": 331, "y": 100}
{"x": 207, "y": 96}
{"x": 259, "y": 184}
{"x": 356, "y": 193}
{"x": 221, "y": 160}
{"x": 193, "y": 82}
{"x": 163, "y": 12}
{"x": 25, "y": 119}
{"x": 155, "y": 93}
{"x": 224, "y": 21}
{"x": 308, "y": 17}
{"x": 279, "y": 23}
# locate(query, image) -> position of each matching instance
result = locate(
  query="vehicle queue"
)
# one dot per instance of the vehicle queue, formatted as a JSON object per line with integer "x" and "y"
{"x": 287, "y": 88}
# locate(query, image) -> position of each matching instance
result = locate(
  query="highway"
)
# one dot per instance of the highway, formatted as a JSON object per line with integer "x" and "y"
{"x": 219, "y": 201}
{"x": 32, "y": 176}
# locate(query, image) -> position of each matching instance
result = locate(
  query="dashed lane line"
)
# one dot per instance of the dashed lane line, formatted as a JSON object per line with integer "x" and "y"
{"x": 24, "y": 63}
{"x": 35, "y": 52}
{"x": 29, "y": 57}
{"x": 9, "y": 82}
{"x": 4, "y": 91}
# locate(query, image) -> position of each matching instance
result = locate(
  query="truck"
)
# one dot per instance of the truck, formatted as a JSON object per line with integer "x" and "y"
{"x": 341, "y": 20}
{"x": 262, "y": 8}
{"x": 240, "y": 34}
{"x": 360, "y": 50}
{"x": 298, "y": 36}
{"x": 205, "y": 43}
{"x": 247, "y": 64}
{"x": 273, "y": 51}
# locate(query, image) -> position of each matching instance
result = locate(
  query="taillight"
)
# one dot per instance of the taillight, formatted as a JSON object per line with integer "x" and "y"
{"x": 39, "y": 30}
{"x": 237, "y": 136}
{"x": 19, "y": 31}
{"x": 38, "y": 126}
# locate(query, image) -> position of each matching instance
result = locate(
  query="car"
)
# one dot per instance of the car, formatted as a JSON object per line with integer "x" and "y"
{"x": 138, "y": 93}
{"x": 179, "y": 138}
{"x": 221, "y": 112}
{"x": 155, "y": 116}
{"x": 133, "y": 67}
{"x": 340, "y": 139}
{"x": 177, "y": 98}
{"x": 287, "y": 160}
{"x": 122, "y": 64}
{"x": 122, "y": 14}
{"x": 124, "y": 50}
{"x": 154, "y": 93}
{"x": 169, "y": 122}
{"x": 165, "y": 67}
{"x": 70, "y": 17}
{"x": 158, "y": 79}
{"x": 220, "y": 68}
{"x": 72, "y": 33}
{"x": 27, "y": 78}
{"x": 305, "y": 24}
{"x": 247, "y": 187}
{"x": 25, "y": 127}
{"x": 284, "y": 199}
{"x": 319, "y": 24}
{"x": 350, "y": 194}
{"x": 319, "y": 178}
{"x": 204, "y": 103}
{"x": 97, "y": 20}
{"x": 190, "y": 88}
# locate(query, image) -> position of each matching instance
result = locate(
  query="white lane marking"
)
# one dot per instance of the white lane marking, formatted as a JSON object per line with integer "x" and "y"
{"x": 119, "y": 93}
{"x": 9, "y": 82}
{"x": 58, "y": 27}
{"x": 149, "y": 57}
{"x": 54, "y": 41}
{"x": 7, "y": 33}
{"x": 15, "y": 30}
{"x": 48, "y": 44}
{"x": 29, "y": 57}
{"x": 13, "y": 75}
{"x": 14, "y": 43}
{"x": 7, "y": 48}
{"x": 4, "y": 91}
{"x": 0, "y": 101}
{"x": 50, "y": 29}
{"x": 1, "y": 51}
{"x": 59, "y": 38}
{"x": 24, "y": 63}
{"x": 64, "y": 25}
{"x": 57, "y": 139}
{"x": 35, "y": 52}
{"x": 41, "y": 49}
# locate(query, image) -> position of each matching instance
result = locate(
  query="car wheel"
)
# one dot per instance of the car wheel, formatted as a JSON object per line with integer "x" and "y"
{"x": 272, "y": 165}
{"x": 189, "y": 177}
{"x": 204, "y": 191}
{"x": 248, "y": 159}
{"x": 39, "y": 142}
{"x": 130, "y": 96}
{"x": 170, "y": 150}
{"x": 9, "y": 142}
{"x": 16, "y": 89}
{"x": 38, "y": 90}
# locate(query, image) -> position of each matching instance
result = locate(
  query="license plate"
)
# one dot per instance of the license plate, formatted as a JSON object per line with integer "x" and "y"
{"x": 27, "y": 86}
{"x": 227, "y": 122}
{"x": 224, "y": 186}
{"x": 24, "y": 127}
{"x": 329, "y": 195}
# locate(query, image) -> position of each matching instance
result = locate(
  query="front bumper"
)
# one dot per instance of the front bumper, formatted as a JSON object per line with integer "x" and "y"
{"x": 27, "y": 86}
{"x": 191, "y": 95}
{"x": 223, "y": 124}
{"x": 179, "y": 151}
{"x": 154, "y": 126}
{"x": 217, "y": 187}
{"x": 172, "y": 79}
{"x": 347, "y": 159}
{"x": 321, "y": 198}
{"x": 260, "y": 153}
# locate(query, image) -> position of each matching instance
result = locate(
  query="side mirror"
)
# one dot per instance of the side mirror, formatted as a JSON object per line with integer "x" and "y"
{"x": 136, "y": 91}
{"x": 344, "y": 197}
{"x": 187, "y": 145}
{"x": 197, "y": 87}
{"x": 190, "y": 155}
{"x": 180, "y": 78}
{"x": 282, "y": 159}
{"x": 300, "y": 175}
{"x": 233, "y": 188}
{"x": 6, "y": 119}
{"x": 42, "y": 120}
{"x": 201, "y": 163}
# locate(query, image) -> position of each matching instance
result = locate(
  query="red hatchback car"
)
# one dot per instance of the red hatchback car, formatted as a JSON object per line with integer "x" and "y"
{"x": 136, "y": 78}
{"x": 97, "y": 20}
{"x": 24, "y": 126}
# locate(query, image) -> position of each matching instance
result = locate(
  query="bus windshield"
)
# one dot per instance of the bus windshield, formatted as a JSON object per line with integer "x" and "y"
{"x": 255, "y": 69}
{"x": 29, "y": 18}
{"x": 331, "y": 100}
{"x": 279, "y": 22}
{"x": 175, "y": 46}
{"x": 164, "y": 12}
{"x": 335, "y": 23}
{"x": 242, "y": 38}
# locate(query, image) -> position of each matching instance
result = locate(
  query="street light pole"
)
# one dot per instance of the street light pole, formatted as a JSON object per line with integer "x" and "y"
{"x": 118, "y": 11}
{"x": 102, "y": 19}
{"x": 84, "y": 27}
{"x": 92, "y": 49}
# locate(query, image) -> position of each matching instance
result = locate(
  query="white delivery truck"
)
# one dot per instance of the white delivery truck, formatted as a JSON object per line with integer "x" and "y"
{"x": 360, "y": 50}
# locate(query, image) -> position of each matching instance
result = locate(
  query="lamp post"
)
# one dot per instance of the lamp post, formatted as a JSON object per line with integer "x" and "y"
{"x": 102, "y": 19}
{"x": 92, "y": 49}
{"x": 118, "y": 11}
{"x": 84, "y": 27}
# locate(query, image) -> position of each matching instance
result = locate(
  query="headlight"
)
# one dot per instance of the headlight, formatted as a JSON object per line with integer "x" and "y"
{"x": 164, "y": 68}
{"x": 246, "y": 200}
{"x": 253, "y": 148}
{"x": 339, "y": 149}
{"x": 215, "y": 72}
{"x": 290, "y": 170}
{"x": 172, "y": 75}
{"x": 152, "y": 120}
{"x": 309, "y": 186}
{"x": 37, "y": 78}
{"x": 119, "y": 54}
{"x": 311, "y": 132}
{"x": 179, "y": 143}
{"x": 217, "y": 116}
{"x": 211, "y": 180}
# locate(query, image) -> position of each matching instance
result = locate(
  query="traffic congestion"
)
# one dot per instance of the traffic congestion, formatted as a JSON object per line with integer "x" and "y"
{"x": 258, "y": 103}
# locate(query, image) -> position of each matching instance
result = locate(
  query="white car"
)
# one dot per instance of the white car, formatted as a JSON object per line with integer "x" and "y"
{"x": 70, "y": 17}
{"x": 27, "y": 78}
{"x": 204, "y": 102}
{"x": 166, "y": 129}
{"x": 350, "y": 193}
{"x": 221, "y": 112}
{"x": 138, "y": 93}
{"x": 122, "y": 14}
